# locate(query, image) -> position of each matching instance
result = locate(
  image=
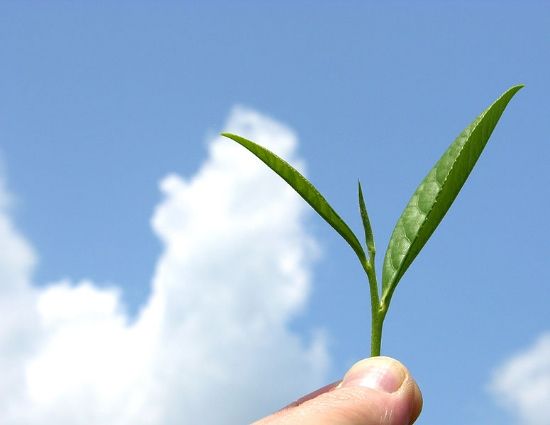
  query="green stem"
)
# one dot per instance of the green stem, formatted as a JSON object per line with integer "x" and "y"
{"x": 378, "y": 310}
{"x": 378, "y": 315}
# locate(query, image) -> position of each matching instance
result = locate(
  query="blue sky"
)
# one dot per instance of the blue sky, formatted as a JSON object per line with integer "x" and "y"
{"x": 101, "y": 101}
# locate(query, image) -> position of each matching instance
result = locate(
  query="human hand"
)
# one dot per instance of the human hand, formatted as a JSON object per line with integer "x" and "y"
{"x": 375, "y": 391}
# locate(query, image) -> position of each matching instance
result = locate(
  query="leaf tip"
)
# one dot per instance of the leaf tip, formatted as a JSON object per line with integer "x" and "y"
{"x": 514, "y": 89}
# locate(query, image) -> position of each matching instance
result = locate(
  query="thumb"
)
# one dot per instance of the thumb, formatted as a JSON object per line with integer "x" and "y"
{"x": 375, "y": 391}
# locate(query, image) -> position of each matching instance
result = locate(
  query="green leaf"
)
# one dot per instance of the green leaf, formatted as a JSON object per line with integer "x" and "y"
{"x": 436, "y": 193}
{"x": 369, "y": 237}
{"x": 304, "y": 188}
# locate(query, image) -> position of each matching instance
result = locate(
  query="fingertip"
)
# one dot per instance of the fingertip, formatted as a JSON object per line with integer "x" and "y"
{"x": 388, "y": 376}
{"x": 375, "y": 390}
{"x": 377, "y": 373}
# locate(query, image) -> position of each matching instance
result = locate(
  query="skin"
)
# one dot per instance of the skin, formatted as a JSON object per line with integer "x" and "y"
{"x": 375, "y": 391}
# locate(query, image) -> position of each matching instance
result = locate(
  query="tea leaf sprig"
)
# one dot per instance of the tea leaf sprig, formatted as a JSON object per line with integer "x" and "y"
{"x": 425, "y": 210}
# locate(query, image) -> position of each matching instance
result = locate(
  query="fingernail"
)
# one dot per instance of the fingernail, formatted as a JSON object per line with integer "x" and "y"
{"x": 377, "y": 373}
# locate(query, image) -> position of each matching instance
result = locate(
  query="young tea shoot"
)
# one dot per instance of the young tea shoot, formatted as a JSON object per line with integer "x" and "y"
{"x": 419, "y": 219}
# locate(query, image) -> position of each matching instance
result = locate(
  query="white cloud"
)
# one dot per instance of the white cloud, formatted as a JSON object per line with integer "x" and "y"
{"x": 522, "y": 384}
{"x": 19, "y": 321}
{"x": 212, "y": 344}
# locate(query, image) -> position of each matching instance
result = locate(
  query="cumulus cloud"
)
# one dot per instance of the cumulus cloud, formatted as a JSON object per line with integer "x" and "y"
{"x": 212, "y": 343}
{"x": 522, "y": 384}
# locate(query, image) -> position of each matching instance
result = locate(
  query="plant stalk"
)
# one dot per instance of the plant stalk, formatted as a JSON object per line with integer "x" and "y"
{"x": 378, "y": 310}
{"x": 378, "y": 315}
